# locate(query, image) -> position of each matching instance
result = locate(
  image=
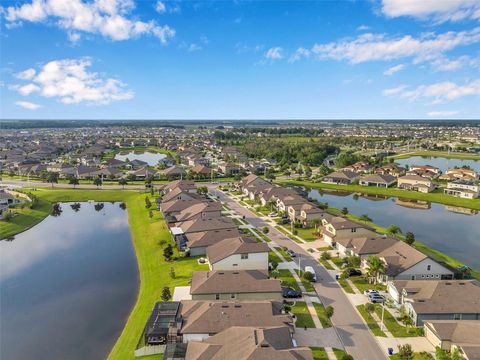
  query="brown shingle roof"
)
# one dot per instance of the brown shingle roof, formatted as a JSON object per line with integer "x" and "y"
{"x": 239, "y": 281}
{"x": 207, "y": 238}
{"x": 237, "y": 245}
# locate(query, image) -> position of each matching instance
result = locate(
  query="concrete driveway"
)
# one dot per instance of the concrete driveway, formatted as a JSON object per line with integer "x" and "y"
{"x": 354, "y": 334}
{"x": 317, "y": 337}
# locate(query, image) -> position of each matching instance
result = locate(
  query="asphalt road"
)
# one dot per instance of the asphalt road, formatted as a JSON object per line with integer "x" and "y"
{"x": 354, "y": 334}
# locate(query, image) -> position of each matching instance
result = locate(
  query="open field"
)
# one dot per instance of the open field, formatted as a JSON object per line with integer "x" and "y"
{"x": 444, "y": 154}
{"x": 149, "y": 237}
{"x": 435, "y": 197}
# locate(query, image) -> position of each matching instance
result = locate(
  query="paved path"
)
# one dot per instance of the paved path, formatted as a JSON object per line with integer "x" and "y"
{"x": 326, "y": 338}
{"x": 354, "y": 334}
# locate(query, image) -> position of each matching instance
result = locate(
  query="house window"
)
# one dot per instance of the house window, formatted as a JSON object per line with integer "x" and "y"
{"x": 354, "y": 230}
{"x": 244, "y": 256}
{"x": 429, "y": 267}
{"x": 457, "y": 316}
{"x": 423, "y": 276}
{"x": 217, "y": 296}
{"x": 233, "y": 296}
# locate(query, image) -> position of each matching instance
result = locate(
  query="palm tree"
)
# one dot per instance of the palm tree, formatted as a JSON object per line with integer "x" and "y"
{"x": 316, "y": 223}
{"x": 375, "y": 267}
{"x": 365, "y": 218}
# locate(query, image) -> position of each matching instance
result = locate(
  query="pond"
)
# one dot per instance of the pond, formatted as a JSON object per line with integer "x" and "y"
{"x": 439, "y": 162}
{"x": 447, "y": 229}
{"x": 149, "y": 157}
{"x": 68, "y": 284}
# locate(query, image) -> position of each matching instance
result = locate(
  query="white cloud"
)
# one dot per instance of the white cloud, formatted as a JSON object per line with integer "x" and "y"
{"x": 105, "y": 17}
{"x": 447, "y": 113}
{"x": 375, "y": 47}
{"x": 299, "y": 54}
{"x": 74, "y": 37}
{"x": 160, "y": 7}
{"x": 437, "y": 10}
{"x": 439, "y": 92}
{"x": 275, "y": 53}
{"x": 395, "y": 90}
{"x": 363, "y": 28}
{"x": 70, "y": 82}
{"x": 394, "y": 69}
{"x": 26, "y": 75}
{"x": 28, "y": 105}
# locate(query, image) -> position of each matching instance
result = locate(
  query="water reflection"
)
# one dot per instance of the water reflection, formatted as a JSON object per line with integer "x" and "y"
{"x": 67, "y": 285}
{"x": 442, "y": 163}
{"x": 452, "y": 230}
{"x": 149, "y": 157}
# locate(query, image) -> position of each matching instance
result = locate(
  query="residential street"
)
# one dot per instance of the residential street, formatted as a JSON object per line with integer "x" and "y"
{"x": 354, "y": 334}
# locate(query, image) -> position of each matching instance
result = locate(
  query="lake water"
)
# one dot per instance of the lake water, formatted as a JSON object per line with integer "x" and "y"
{"x": 439, "y": 162}
{"x": 452, "y": 233}
{"x": 67, "y": 285}
{"x": 149, "y": 157}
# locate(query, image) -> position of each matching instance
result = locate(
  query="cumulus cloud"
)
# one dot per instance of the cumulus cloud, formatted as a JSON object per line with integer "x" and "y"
{"x": 437, "y": 10}
{"x": 109, "y": 18}
{"x": 371, "y": 47}
{"x": 26, "y": 74}
{"x": 28, "y": 105}
{"x": 274, "y": 53}
{"x": 447, "y": 113}
{"x": 439, "y": 92}
{"x": 70, "y": 81}
{"x": 394, "y": 69}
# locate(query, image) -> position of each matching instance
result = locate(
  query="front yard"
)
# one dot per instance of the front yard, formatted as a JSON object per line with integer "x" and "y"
{"x": 303, "y": 317}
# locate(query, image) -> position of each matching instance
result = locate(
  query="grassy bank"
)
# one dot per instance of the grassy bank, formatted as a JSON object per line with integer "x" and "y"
{"x": 443, "y": 154}
{"x": 25, "y": 218}
{"x": 435, "y": 197}
{"x": 147, "y": 237}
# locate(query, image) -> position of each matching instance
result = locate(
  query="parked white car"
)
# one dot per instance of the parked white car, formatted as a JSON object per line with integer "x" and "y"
{"x": 310, "y": 270}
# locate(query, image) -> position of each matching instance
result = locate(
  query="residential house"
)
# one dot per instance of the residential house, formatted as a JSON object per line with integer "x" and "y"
{"x": 197, "y": 243}
{"x": 175, "y": 172}
{"x": 378, "y": 180}
{"x": 179, "y": 194}
{"x": 229, "y": 168}
{"x": 339, "y": 227}
{"x": 248, "y": 343}
{"x": 426, "y": 171}
{"x": 238, "y": 253}
{"x": 184, "y": 185}
{"x": 438, "y": 300}
{"x": 203, "y": 210}
{"x": 234, "y": 284}
{"x": 202, "y": 319}
{"x": 466, "y": 189}
{"x": 202, "y": 170}
{"x": 415, "y": 183}
{"x": 181, "y": 230}
{"x": 143, "y": 173}
{"x": 390, "y": 169}
{"x": 341, "y": 177}
{"x": 359, "y": 167}
{"x": 451, "y": 334}
{"x": 308, "y": 213}
{"x": 460, "y": 174}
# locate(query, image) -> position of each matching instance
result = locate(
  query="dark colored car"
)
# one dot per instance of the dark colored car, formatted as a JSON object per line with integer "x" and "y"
{"x": 352, "y": 272}
{"x": 285, "y": 221}
{"x": 291, "y": 253}
{"x": 288, "y": 292}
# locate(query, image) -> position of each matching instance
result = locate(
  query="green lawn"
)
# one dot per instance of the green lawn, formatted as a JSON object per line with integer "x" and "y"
{"x": 272, "y": 257}
{"x": 339, "y": 353}
{"x": 146, "y": 235}
{"x": 443, "y": 154}
{"x": 319, "y": 353}
{"x": 284, "y": 253}
{"x": 287, "y": 279}
{"x": 372, "y": 324}
{"x": 320, "y": 309}
{"x": 306, "y": 234}
{"x": 394, "y": 327}
{"x": 283, "y": 231}
{"x": 337, "y": 261}
{"x": 346, "y": 286}
{"x": 362, "y": 284}
{"x": 25, "y": 218}
{"x": 416, "y": 356}
{"x": 303, "y": 316}
{"x": 306, "y": 284}
{"x": 432, "y": 197}
{"x": 326, "y": 264}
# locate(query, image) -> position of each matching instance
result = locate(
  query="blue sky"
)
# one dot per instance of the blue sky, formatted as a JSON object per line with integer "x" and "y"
{"x": 126, "y": 59}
